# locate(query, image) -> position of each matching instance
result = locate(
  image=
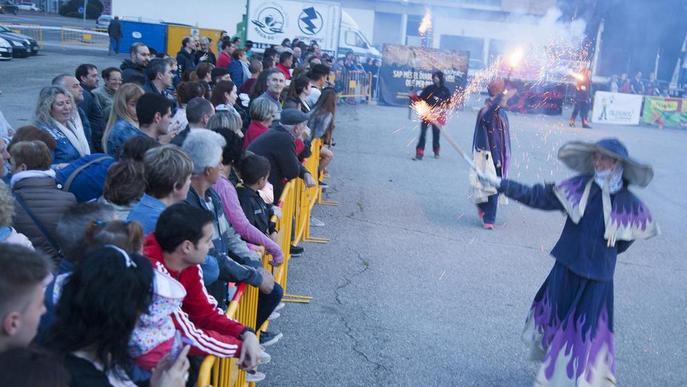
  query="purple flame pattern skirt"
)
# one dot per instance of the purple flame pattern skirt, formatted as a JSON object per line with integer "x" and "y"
{"x": 570, "y": 329}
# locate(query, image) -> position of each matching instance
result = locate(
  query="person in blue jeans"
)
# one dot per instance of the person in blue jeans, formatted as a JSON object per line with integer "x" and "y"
{"x": 114, "y": 31}
{"x": 492, "y": 134}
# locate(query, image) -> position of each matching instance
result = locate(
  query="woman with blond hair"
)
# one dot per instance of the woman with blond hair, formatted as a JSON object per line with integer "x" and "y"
{"x": 122, "y": 123}
{"x": 56, "y": 114}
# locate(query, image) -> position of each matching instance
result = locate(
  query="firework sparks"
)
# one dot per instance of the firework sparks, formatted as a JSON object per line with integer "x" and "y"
{"x": 515, "y": 57}
{"x": 551, "y": 62}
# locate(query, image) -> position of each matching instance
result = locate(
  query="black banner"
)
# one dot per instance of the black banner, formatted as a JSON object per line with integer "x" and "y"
{"x": 410, "y": 68}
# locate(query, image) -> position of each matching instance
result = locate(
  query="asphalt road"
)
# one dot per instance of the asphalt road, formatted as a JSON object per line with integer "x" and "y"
{"x": 410, "y": 290}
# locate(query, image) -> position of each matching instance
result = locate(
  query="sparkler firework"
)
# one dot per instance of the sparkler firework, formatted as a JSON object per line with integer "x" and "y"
{"x": 553, "y": 61}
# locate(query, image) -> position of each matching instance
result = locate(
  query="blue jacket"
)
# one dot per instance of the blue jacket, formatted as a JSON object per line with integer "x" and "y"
{"x": 146, "y": 212}
{"x": 492, "y": 133}
{"x": 64, "y": 152}
{"x": 122, "y": 130}
{"x": 581, "y": 247}
{"x": 87, "y": 183}
{"x": 236, "y": 73}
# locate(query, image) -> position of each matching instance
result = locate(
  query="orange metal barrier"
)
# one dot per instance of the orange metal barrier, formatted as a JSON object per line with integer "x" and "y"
{"x": 223, "y": 372}
{"x": 296, "y": 203}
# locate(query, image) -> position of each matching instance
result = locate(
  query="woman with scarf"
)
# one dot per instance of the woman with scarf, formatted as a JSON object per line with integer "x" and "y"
{"x": 436, "y": 96}
{"x": 570, "y": 324}
{"x": 57, "y": 114}
{"x": 491, "y": 146}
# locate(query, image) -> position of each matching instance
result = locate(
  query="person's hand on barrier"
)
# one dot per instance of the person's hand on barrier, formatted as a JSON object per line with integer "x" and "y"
{"x": 250, "y": 351}
{"x": 277, "y": 260}
{"x": 267, "y": 281}
{"x": 171, "y": 372}
{"x": 309, "y": 180}
{"x": 277, "y": 211}
{"x": 489, "y": 180}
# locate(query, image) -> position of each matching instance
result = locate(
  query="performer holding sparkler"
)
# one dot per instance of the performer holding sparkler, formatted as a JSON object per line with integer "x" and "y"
{"x": 436, "y": 96}
{"x": 570, "y": 324}
{"x": 491, "y": 147}
{"x": 582, "y": 98}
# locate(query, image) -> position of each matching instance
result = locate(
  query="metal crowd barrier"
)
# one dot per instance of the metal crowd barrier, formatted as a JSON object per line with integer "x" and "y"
{"x": 353, "y": 84}
{"x": 296, "y": 203}
{"x": 63, "y": 35}
{"x": 224, "y": 372}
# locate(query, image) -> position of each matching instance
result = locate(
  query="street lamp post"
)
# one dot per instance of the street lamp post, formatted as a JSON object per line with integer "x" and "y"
{"x": 85, "y": 7}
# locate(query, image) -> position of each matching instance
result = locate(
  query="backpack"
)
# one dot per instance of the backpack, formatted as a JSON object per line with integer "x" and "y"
{"x": 85, "y": 177}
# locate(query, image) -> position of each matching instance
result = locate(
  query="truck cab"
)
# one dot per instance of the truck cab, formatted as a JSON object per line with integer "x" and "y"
{"x": 352, "y": 39}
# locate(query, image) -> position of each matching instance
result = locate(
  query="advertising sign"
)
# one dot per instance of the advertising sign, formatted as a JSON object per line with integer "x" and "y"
{"x": 665, "y": 112}
{"x": 270, "y": 22}
{"x": 405, "y": 68}
{"x": 616, "y": 108}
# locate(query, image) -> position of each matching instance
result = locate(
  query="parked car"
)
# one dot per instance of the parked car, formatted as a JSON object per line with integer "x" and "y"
{"x": 103, "y": 21}
{"x": 5, "y": 49}
{"x": 22, "y": 45}
{"x": 28, "y": 7}
{"x": 9, "y": 8}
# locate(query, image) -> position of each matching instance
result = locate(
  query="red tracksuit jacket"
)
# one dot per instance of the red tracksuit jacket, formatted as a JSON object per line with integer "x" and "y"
{"x": 199, "y": 318}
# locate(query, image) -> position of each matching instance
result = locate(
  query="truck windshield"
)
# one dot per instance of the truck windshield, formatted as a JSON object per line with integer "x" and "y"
{"x": 353, "y": 38}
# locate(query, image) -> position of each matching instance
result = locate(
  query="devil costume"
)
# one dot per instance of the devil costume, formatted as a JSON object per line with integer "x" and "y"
{"x": 570, "y": 324}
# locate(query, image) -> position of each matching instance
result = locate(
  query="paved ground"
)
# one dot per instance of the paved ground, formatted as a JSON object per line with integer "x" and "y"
{"x": 23, "y": 78}
{"x": 411, "y": 291}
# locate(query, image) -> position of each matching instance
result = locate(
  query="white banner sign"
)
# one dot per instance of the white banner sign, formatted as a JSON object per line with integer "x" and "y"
{"x": 616, "y": 108}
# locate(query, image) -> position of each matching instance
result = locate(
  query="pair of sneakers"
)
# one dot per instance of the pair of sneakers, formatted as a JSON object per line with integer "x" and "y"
{"x": 419, "y": 157}
{"x": 254, "y": 376}
{"x": 266, "y": 339}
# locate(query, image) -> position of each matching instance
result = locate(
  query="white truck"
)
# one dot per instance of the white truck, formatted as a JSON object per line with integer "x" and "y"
{"x": 270, "y": 22}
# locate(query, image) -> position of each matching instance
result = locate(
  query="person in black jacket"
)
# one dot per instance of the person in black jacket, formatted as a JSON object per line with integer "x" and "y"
{"x": 205, "y": 54}
{"x": 254, "y": 171}
{"x": 435, "y": 95}
{"x": 133, "y": 69}
{"x": 186, "y": 60}
{"x": 278, "y": 146}
{"x": 87, "y": 74}
{"x": 114, "y": 31}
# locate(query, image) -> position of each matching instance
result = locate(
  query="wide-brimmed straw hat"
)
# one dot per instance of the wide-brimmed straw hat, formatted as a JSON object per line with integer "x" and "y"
{"x": 577, "y": 155}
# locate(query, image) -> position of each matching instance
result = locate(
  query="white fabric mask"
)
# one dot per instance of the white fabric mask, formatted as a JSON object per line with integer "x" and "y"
{"x": 613, "y": 177}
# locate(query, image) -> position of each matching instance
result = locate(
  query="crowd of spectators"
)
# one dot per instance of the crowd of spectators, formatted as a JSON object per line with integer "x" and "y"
{"x": 139, "y": 198}
{"x": 636, "y": 85}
